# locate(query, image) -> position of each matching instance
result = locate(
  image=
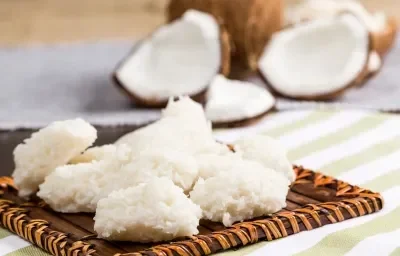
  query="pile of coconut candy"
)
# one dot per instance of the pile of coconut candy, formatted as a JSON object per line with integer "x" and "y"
{"x": 315, "y": 50}
{"x": 157, "y": 182}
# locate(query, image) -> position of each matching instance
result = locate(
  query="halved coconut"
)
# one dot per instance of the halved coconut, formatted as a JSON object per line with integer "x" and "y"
{"x": 234, "y": 103}
{"x": 318, "y": 59}
{"x": 180, "y": 58}
{"x": 382, "y": 28}
{"x": 250, "y": 23}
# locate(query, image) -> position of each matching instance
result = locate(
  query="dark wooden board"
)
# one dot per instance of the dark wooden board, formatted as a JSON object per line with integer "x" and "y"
{"x": 10, "y": 139}
{"x": 314, "y": 200}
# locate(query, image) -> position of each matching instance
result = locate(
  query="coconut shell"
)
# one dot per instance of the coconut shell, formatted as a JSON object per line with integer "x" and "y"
{"x": 250, "y": 23}
{"x": 199, "y": 97}
{"x": 153, "y": 103}
{"x": 382, "y": 41}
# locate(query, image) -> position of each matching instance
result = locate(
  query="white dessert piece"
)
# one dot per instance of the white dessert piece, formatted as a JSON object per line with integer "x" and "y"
{"x": 149, "y": 212}
{"x": 48, "y": 148}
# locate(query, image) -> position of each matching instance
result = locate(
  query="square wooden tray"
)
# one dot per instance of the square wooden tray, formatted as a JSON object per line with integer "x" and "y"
{"x": 314, "y": 200}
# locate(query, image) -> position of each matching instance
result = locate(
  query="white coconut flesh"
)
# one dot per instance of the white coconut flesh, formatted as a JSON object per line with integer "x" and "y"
{"x": 180, "y": 58}
{"x": 374, "y": 62}
{"x": 233, "y": 100}
{"x": 316, "y": 58}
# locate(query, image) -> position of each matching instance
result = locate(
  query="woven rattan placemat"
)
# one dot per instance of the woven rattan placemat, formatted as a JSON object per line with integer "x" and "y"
{"x": 314, "y": 200}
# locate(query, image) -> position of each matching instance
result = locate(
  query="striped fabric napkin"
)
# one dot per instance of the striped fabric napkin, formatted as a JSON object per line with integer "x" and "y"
{"x": 359, "y": 147}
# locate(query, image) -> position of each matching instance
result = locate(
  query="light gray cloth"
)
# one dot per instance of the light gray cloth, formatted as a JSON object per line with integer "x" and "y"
{"x": 45, "y": 83}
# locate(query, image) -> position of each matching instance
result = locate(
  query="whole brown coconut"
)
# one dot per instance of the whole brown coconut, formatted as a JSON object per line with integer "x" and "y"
{"x": 250, "y": 23}
{"x": 382, "y": 41}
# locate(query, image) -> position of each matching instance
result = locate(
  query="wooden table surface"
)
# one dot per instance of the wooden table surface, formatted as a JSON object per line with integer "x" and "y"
{"x": 49, "y": 21}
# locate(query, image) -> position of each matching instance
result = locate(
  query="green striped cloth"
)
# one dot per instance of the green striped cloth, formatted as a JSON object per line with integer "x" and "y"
{"x": 359, "y": 147}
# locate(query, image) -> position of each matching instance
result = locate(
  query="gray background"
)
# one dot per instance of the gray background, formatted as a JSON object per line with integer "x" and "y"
{"x": 45, "y": 83}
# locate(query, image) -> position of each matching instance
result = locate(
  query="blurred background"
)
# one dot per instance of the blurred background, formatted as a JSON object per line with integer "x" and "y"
{"x": 53, "y": 21}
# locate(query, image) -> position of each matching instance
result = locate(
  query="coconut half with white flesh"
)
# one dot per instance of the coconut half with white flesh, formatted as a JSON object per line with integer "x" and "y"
{"x": 180, "y": 58}
{"x": 236, "y": 103}
{"x": 382, "y": 28}
{"x": 318, "y": 59}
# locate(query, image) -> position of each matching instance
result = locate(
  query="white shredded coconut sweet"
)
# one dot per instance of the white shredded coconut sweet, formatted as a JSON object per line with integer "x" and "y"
{"x": 187, "y": 108}
{"x": 180, "y": 167}
{"x": 95, "y": 154}
{"x": 183, "y": 127}
{"x": 211, "y": 165}
{"x": 240, "y": 194}
{"x": 137, "y": 186}
{"x": 267, "y": 151}
{"x": 78, "y": 188}
{"x": 149, "y": 212}
{"x": 47, "y": 149}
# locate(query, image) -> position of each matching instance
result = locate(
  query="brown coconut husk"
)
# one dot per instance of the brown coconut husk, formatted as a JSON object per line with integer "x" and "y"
{"x": 250, "y": 23}
{"x": 226, "y": 50}
{"x": 382, "y": 41}
{"x": 199, "y": 97}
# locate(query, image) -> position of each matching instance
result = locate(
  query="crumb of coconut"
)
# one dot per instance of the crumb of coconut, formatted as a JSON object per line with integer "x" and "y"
{"x": 267, "y": 151}
{"x": 48, "y": 148}
{"x": 149, "y": 212}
